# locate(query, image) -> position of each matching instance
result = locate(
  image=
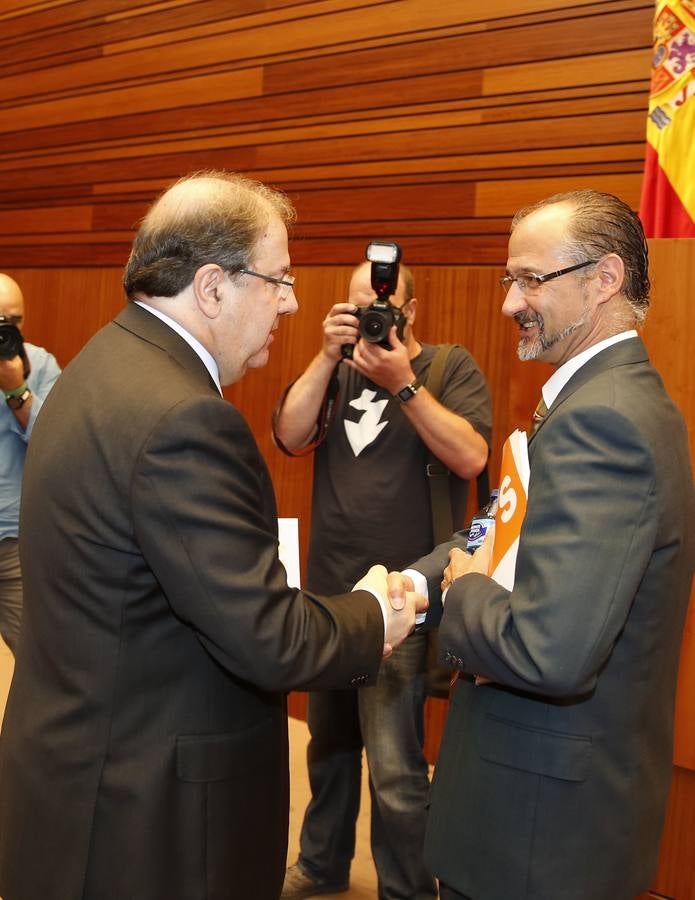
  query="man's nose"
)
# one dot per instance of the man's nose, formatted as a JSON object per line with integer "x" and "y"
{"x": 514, "y": 302}
{"x": 291, "y": 305}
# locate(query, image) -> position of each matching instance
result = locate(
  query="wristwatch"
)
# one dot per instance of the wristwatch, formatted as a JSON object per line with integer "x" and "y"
{"x": 17, "y": 397}
{"x": 409, "y": 391}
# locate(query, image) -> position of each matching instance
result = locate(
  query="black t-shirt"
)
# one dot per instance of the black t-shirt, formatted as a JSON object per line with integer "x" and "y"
{"x": 371, "y": 500}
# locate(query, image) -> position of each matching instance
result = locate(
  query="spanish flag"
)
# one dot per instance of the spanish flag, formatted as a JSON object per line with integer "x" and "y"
{"x": 667, "y": 207}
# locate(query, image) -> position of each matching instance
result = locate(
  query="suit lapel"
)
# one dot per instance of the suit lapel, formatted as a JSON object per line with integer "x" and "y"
{"x": 149, "y": 328}
{"x": 624, "y": 353}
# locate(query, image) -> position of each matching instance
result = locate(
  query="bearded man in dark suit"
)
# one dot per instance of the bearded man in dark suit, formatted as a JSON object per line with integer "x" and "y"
{"x": 144, "y": 750}
{"x": 554, "y": 768}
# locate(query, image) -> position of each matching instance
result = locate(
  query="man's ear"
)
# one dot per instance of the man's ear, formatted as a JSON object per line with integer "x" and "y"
{"x": 207, "y": 283}
{"x": 610, "y": 272}
{"x": 411, "y": 311}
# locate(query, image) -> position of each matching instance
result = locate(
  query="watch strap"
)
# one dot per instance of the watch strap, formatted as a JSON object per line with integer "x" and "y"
{"x": 16, "y": 401}
{"x": 408, "y": 391}
{"x": 16, "y": 392}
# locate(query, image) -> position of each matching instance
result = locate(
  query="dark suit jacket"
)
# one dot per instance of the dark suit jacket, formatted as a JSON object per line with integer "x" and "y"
{"x": 551, "y": 783}
{"x": 144, "y": 750}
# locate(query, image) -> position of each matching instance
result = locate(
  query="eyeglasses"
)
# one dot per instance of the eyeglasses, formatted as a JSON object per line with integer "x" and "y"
{"x": 286, "y": 282}
{"x": 529, "y": 282}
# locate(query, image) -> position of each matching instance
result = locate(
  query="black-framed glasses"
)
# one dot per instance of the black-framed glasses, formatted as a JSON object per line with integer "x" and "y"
{"x": 530, "y": 282}
{"x": 286, "y": 282}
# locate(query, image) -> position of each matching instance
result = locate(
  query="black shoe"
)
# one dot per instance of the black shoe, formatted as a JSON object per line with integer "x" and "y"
{"x": 298, "y": 885}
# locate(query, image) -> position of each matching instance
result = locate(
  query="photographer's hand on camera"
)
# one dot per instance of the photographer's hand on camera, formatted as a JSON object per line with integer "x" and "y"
{"x": 339, "y": 327}
{"x": 14, "y": 387}
{"x": 11, "y": 373}
{"x": 295, "y": 420}
{"x": 390, "y": 369}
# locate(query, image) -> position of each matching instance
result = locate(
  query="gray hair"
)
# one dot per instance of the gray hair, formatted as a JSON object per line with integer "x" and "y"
{"x": 206, "y": 217}
{"x": 602, "y": 223}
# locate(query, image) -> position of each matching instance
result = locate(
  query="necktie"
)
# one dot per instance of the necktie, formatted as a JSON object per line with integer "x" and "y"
{"x": 538, "y": 415}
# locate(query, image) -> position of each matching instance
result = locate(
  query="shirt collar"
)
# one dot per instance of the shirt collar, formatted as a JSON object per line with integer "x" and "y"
{"x": 205, "y": 356}
{"x": 561, "y": 376}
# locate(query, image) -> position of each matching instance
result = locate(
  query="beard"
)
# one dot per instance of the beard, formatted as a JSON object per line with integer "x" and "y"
{"x": 534, "y": 347}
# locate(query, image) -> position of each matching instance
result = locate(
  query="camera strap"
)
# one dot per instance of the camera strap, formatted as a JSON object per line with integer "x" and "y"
{"x": 322, "y": 422}
{"x": 437, "y": 473}
{"x": 438, "y": 678}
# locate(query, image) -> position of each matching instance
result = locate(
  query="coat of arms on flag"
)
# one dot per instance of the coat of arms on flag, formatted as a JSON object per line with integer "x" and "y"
{"x": 667, "y": 207}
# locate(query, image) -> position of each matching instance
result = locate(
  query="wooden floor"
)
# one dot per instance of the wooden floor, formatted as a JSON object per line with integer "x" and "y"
{"x": 363, "y": 876}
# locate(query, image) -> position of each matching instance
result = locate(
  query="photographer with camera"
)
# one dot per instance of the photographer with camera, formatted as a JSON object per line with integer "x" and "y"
{"x": 27, "y": 373}
{"x": 362, "y": 407}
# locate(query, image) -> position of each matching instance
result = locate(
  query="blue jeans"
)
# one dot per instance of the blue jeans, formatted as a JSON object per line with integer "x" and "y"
{"x": 388, "y": 719}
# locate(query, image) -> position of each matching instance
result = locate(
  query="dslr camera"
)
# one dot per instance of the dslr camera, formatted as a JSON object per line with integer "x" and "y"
{"x": 11, "y": 341}
{"x": 376, "y": 320}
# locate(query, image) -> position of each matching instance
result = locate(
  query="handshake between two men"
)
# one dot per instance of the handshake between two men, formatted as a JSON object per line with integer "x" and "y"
{"x": 406, "y": 598}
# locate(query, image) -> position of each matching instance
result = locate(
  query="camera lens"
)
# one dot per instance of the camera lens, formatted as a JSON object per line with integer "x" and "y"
{"x": 373, "y": 327}
{"x": 375, "y": 324}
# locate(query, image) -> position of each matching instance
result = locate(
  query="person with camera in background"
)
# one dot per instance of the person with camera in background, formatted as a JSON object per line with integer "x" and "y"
{"x": 27, "y": 373}
{"x": 366, "y": 398}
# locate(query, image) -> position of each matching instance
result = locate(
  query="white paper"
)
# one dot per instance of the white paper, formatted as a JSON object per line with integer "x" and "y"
{"x": 288, "y": 537}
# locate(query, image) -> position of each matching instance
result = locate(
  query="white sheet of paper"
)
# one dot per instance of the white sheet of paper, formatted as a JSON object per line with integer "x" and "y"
{"x": 288, "y": 537}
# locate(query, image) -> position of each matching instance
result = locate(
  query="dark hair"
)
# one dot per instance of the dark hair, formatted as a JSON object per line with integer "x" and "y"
{"x": 205, "y": 217}
{"x": 602, "y": 223}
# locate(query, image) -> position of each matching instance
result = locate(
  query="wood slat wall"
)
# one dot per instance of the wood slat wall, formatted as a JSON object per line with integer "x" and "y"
{"x": 428, "y": 123}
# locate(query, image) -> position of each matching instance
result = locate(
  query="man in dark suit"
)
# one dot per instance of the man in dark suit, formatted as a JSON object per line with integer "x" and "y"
{"x": 554, "y": 768}
{"x": 144, "y": 751}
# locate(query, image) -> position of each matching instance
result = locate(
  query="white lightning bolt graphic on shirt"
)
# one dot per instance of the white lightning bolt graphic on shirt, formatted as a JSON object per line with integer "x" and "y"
{"x": 361, "y": 434}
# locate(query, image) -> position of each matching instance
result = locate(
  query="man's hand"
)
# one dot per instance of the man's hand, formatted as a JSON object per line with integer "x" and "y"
{"x": 398, "y": 586}
{"x": 399, "y": 621}
{"x": 390, "y": 369}
{"x": 11, "y": 373}
{"x": 463, "y": 563}
{"x": 339, "y": 327}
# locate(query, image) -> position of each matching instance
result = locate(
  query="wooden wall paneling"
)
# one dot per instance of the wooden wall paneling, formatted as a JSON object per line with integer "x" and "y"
{"x": 456, "y": 91}
{"x": 596, "y": 69}
{"x": 675, "y": 877}
{"x": 513, "y": 42}
{"x": 182, "y": 49}
{"x": 91, "y": 24}
{"x": 472, "y": 137}
{"x": 65, "y": 307}
{"x": 170, "y": 94}
{"x": 500, "y": 197}
{"x": 412, "y": 118}
{"x": 671, "y": 343}
{"x": 46, "y": 220}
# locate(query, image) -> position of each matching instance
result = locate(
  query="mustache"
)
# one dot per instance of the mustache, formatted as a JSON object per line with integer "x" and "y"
{"x": 526, "y": 318}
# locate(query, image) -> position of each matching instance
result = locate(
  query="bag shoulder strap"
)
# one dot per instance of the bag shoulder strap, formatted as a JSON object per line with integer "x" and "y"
{"x": 438, "y": 474}
{"x": 322, "y": 422}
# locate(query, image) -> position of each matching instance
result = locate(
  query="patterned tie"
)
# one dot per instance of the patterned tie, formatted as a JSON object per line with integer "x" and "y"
{"x": 538, "y": 415}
